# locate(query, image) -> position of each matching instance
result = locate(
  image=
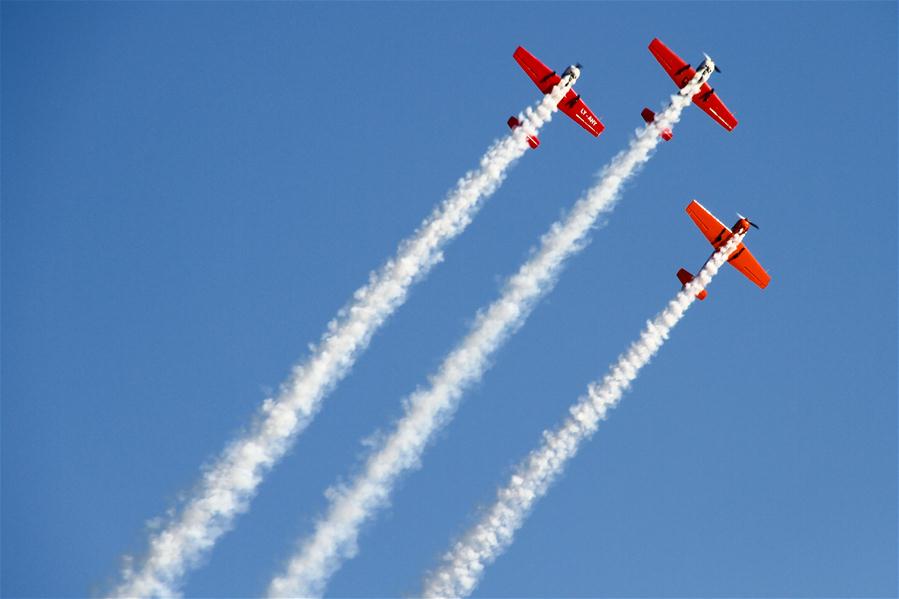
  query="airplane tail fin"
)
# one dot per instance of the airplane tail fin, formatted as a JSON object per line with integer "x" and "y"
{"x": 649, "y": 116}
{"x": 514, "y": 123}
{"x": 685, "y": 277}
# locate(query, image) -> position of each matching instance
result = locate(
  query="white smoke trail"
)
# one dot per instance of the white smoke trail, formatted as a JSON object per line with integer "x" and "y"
{"x": 334, "y": 539}
{"x": 230, "y": 483}
{"x": 464, "y": 564}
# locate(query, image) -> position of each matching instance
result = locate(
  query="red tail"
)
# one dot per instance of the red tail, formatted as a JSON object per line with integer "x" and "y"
{"x": 514, "y": 123}
{"x": 685, "y": 277}
{"x": 649, "y": 116}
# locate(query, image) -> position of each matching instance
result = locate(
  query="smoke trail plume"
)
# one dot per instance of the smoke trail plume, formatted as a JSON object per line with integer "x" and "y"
{"x": 464, "y": 564}
{"x": 229, "y": 484}
{"x": 426, "y": 410}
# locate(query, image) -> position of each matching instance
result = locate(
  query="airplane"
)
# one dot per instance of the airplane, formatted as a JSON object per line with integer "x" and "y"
{"x": 546, "y": 79}
{"x": 682, "y": 73}
{"x": 718, "y": 234}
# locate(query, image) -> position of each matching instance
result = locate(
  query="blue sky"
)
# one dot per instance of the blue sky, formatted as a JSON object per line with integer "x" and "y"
{"x": 191, "y": 191}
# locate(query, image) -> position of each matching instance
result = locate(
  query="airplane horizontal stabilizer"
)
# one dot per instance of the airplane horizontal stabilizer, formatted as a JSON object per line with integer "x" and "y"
{"x": 685, "y": 277}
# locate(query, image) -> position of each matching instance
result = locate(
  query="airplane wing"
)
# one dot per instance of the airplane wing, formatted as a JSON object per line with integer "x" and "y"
{"x": 709, "y": 102}
{"x": 679, "y": 70}
{"x": 580, "y": 113}
{"x": 540, "y": 74}
{"x": 746, "y": 263}
{"x": 714, "y": 230}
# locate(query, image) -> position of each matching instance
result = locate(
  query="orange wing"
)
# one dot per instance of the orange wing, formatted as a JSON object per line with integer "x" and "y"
{"x": 746, "y": 263}
{"x": 713, "y": 229}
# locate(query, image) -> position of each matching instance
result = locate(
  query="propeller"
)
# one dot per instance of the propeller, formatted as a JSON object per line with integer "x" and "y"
{"x": 747, "y": 220}
{"x": 578, "y": 65}
{"x": 709, "y": 58}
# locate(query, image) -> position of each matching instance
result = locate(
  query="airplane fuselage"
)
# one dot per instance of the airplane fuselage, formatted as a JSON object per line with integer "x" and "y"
{"x": 741, "y": 227}
{"x": 704, "y": 71}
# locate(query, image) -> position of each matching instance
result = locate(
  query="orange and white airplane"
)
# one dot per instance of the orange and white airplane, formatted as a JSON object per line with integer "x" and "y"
{"x": 718, "y": 234}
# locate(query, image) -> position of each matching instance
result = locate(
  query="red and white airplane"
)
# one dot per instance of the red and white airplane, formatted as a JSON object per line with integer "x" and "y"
{"x": 682, "y": 73}
{"x": 718, "y": 234}
{"x": 546, "y": 79}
